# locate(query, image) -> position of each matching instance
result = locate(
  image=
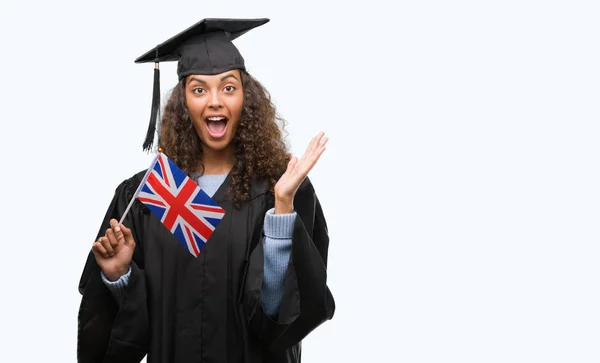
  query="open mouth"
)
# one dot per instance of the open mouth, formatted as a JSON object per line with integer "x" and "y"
{"x": 216, "y": 126}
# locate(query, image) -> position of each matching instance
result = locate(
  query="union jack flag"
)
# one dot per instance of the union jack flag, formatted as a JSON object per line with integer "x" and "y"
{"x": 185, "y": 209}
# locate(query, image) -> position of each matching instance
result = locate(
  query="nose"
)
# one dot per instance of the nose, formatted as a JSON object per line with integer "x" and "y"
{"x": 214, "y": 100}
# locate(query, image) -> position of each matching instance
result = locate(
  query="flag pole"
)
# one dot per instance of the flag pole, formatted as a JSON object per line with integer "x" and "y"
{"x": 140, "y": 186}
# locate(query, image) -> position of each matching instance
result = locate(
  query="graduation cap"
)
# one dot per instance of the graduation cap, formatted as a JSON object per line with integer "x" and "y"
{"x": 204, "y": 48}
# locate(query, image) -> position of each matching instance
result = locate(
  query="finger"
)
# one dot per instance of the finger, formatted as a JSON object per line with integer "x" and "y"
{"x": 314, "y": 141}
{"x": 117, "y": 231}
{"x": 312, "y": 160}
{"x": 95, "y": 248}
{"x": 100, "y": 249}
{"x": 292, "y": 163}
{"x": 314, "y": 144}
{"x": 318, "y": 150}
{"x": 108, "y": 245}
{"x": 323, "y": 142}
{"x": 318, "y": 139}
{"x": 112, "y": 239}
{"x": 316, "y": 153}
{"x": 128, "y": 236}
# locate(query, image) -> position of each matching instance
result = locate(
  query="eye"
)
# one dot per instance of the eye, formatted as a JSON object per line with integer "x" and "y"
{"x": 198, "y": 90}
{"x": 229, "y": 88}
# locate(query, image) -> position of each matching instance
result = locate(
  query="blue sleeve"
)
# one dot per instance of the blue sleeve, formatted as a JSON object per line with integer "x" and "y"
{"x": 277, "y": 246}
{"x": 117, "y": 287}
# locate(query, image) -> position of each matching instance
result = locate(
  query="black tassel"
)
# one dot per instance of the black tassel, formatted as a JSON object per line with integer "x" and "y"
{"x": 154, "y": 112}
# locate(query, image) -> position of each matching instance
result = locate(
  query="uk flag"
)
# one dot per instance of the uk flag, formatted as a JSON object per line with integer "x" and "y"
{"x": 185, "y": 209}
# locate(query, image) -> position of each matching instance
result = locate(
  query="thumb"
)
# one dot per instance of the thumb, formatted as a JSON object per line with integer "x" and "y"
{"x": 292, "y": 163}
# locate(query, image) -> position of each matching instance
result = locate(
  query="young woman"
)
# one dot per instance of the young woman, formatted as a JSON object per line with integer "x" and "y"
{"x": 258, "y": 286}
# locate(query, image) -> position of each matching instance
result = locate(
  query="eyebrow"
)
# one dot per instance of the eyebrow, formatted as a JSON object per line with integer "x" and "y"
{"x": 230, "y": 75}
{"x": 197, "y": 80}
{"x": 222, "y": 78}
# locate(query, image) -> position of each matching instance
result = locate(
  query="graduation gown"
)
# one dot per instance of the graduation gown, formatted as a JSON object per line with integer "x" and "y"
{"x": 179, "y": 308}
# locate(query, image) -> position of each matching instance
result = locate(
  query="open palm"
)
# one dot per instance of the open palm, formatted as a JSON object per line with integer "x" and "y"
{"x": 298, "y": 169}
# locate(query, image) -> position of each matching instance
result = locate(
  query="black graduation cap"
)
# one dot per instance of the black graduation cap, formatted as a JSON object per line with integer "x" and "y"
{"x": 204, "y": 48}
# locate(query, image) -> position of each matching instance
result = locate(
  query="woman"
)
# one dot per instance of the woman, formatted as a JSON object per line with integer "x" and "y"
{"x": 258, "y": 287}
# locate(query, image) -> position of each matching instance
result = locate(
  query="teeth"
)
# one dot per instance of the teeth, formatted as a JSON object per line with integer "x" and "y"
{"x": 216, "y": 118}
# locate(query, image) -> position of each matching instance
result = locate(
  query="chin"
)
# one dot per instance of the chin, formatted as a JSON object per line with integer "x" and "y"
{"x": 218, "y": 145}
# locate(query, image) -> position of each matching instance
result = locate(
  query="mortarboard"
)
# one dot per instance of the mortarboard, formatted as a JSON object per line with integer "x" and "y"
{"x": 204, "y": 48}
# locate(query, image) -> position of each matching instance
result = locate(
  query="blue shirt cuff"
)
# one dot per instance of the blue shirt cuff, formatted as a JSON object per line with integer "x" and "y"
{"x": 117, "y": 287}
{"x": 279, "y": 226}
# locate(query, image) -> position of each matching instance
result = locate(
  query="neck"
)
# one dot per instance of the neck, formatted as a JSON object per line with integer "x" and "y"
{"x": 217, "y": 161}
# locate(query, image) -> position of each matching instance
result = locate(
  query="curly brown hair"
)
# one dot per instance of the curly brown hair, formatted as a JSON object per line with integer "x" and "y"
{"x": 260, "y": 148}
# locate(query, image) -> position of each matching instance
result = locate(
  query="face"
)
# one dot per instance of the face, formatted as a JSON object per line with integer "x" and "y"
{"x": 215, "y": 104}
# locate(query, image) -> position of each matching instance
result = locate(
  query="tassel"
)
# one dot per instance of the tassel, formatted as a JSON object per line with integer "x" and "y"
{"x": 154, "y": 114}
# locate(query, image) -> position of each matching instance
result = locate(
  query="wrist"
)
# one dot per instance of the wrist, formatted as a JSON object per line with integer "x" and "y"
{"x": 284, "y": 205}
{"x": 113, "y": 276}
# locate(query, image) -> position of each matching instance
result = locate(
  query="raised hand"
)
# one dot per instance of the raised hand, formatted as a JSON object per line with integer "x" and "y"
{"x": 296, "y": 172}
{"x": 114, "y": 250}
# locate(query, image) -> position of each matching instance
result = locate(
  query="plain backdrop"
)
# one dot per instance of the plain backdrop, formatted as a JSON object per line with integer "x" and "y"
{"x": 460, "y": 184}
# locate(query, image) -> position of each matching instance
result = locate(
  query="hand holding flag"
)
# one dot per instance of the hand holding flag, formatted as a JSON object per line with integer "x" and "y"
{"x": 176, "y": 200}
{"x": 114, "y": 251}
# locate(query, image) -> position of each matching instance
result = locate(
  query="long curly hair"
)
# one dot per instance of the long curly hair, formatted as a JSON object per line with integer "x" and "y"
{"x": 259, "y": 145}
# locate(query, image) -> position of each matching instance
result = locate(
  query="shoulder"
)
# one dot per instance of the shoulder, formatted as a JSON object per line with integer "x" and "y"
{"x": 128, "y": 186}
{"x": 136, "y": 178}
{"x": 306, "y": 189}
{"x": 305, "y": 200}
